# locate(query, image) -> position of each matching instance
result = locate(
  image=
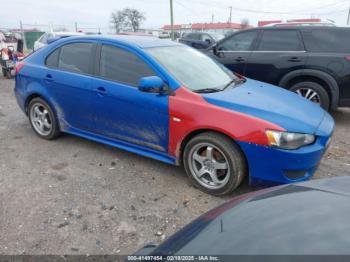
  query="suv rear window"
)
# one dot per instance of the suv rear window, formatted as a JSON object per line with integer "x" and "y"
{"x": 334, "y": 40}
{"x": 280, "y": 40}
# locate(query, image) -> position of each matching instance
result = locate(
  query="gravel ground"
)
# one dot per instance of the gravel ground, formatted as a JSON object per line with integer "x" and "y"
{"x": 74, "y": 196}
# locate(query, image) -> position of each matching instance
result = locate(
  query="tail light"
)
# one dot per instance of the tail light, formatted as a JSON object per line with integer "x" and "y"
{"x": 347, "y": 57}
{"x": 19, "y": 66}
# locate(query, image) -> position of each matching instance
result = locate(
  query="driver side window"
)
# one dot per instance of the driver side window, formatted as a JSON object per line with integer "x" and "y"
{"x": 239, "y": 42}
{"x": 122, "y": 66}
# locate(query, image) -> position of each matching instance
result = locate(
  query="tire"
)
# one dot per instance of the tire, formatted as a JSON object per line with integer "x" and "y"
{"x": 321, "y": 97}
{"x": 227, "y": 156}
{"x": 8, "y": 74}
{"x": 40, "y": 112}
{"x": 4, "y": 72}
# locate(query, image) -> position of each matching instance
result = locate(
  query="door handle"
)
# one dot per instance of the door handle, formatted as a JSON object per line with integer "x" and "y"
{"x": 294, "y": 59}
{"x": 239, "y": 59}
{"x": 48, "y": 78}
{"x": 101, "y": 89}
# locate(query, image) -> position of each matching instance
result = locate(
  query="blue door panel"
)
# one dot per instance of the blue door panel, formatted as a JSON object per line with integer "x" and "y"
{"x": 124, "y": 113}
{"x": 73, "y": 94}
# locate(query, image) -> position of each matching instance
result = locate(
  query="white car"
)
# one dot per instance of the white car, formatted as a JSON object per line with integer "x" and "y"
{"x": 43, "y": 40}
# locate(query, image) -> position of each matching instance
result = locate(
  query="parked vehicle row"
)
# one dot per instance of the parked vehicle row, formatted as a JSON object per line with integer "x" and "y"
{"x": 170, "y": 102}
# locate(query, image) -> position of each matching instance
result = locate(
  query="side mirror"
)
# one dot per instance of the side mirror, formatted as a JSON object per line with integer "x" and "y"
{"x": 208, "y": 41}
{"x": 151, "y": 84}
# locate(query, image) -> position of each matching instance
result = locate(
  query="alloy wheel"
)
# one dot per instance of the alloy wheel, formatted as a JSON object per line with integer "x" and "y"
{"x": 40, "y": 119}
{"x": 209, "y": 166}
{"x": 309, "y": 94}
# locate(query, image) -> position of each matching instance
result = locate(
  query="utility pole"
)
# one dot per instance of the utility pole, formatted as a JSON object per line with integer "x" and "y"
{"x": 172, "y": 20}
{"x": 212, "y": 18}
{"x": 23, "y": 35}
{"x": 230, "y": 19}
{"x": 76, "y": 26}
{"x": 348, "y": 22}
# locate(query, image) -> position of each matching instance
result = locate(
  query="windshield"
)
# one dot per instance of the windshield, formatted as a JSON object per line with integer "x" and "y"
{"x": 191, "y": 68}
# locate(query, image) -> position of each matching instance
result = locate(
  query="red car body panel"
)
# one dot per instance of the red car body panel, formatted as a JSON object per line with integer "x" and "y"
{"x": 189, "y": 112}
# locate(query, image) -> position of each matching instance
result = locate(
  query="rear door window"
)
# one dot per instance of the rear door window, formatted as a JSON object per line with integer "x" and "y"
{"x": 122, "y": 66}
{"x": 76, "y": 57}
{"x": 52, "y": 59}
{"x": 280, "y": 40}
{"x": 323, "y": 40}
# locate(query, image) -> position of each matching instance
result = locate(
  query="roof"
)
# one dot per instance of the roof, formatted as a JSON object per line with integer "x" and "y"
{"x": 207, "y": 26}
{"x": 136, "y": 41}
{"x": 63, "y": 33}
{"x": 307, "y": 20}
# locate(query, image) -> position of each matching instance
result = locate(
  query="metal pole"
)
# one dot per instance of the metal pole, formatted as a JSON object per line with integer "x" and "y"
{"x": 172, "y": 20}
{"x": 230, "y": 19}
{"x": 212, "y": 18}
{"x": 348, "y": 22}
{"x": 76, "y": 26}
{"x": 23, "y": 36}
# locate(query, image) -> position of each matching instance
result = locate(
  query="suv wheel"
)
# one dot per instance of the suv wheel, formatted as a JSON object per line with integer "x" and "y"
{"x": 313, "y": 92}
{"x": 42, "y": 119}
{"x": 214, "y": 163}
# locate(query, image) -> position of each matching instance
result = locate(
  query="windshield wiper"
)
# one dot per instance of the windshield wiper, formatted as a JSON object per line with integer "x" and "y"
{"x": 208, "y": 90}
{"x": 234, "y": 81}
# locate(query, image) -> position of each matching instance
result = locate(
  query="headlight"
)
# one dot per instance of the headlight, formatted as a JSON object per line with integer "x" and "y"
{"x": 286, "y": 140}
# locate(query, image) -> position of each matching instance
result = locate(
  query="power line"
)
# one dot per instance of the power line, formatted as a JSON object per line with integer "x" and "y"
{"x": 246, "y": 10}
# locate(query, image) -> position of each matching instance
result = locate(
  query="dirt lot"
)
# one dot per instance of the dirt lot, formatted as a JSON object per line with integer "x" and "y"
{"x": 73, "y": 196}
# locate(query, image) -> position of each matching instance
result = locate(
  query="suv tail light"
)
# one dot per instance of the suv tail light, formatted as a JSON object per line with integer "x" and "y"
{"x": 19, "y": 66}
{"x": 347, "y": 57}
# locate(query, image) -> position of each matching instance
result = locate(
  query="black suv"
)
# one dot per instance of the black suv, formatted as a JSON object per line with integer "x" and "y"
{"x": 311, "y": 61}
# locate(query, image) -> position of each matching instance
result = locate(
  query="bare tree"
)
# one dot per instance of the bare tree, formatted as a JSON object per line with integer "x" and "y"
{"x": 118, "y": 20}
{"x": 127, "y": 19}
{"x": 245, "y": 23}
{"x": 134, "y": 17}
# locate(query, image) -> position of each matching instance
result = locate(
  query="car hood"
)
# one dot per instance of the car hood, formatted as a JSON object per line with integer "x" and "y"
{"x": 259, "y": 223}
{"x": 270, "y": 103}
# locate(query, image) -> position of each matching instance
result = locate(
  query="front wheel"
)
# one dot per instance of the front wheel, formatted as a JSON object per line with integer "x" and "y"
{"x": 214, "y": 163}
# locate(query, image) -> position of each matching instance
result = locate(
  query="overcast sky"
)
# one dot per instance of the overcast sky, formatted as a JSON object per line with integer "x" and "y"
{"x": 96, "y": 13}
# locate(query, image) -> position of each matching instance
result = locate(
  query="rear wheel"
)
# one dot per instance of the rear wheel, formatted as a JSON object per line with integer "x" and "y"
{"x": 214, "y": 163}
{"x": 42, "y": 119}
{"x": 4, "y": 72}
{"x": 313, "y": 92}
